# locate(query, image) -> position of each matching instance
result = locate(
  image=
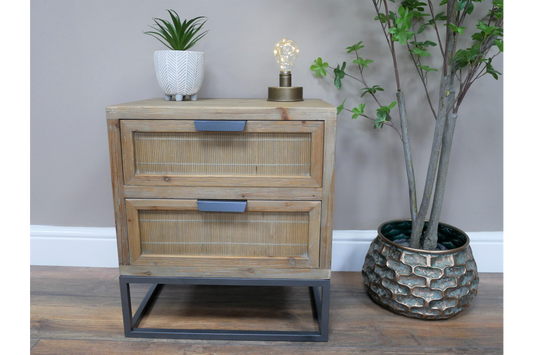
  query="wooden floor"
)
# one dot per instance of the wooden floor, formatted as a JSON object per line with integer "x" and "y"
{"x": 78, "y": 311}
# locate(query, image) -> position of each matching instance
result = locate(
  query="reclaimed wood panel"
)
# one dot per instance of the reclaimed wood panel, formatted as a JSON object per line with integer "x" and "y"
{"x": 206, "y": 245}
{"x": 117, "y": 181}
{"x": 265, "y": 154}
{"x": 312, "y": 117}
{"x": 221, "y": 109}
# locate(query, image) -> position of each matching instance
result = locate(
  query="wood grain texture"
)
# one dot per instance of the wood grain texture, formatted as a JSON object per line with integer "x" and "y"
{"x": 314, "y": 184}
{"x": 257, "y": 272}
{"x": 261, "y": 234}
{"x": 266, "y": 153}
{"x": 227, "y": 193}
{"x": 115, "y": 158}
{"x": 328, "y": 188}
{"x": 221, "y": 109}
{"x": 77, "y": 311}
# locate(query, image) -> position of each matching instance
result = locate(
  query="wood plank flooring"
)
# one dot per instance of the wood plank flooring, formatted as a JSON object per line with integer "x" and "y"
{"x": 78, "y": 311}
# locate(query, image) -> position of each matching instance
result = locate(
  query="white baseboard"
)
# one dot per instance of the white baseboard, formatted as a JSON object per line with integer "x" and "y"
{"x": 73, "y": 246}
{"x": 97, "y": 247}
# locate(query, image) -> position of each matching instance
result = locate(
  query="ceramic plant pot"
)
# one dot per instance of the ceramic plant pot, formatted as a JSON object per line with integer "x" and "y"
{"x": 420, "y": 283}
{"x": 179, "y": 73}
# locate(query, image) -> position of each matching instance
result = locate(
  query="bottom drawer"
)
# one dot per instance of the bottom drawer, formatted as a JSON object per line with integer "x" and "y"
{"x": 272, "y": 234}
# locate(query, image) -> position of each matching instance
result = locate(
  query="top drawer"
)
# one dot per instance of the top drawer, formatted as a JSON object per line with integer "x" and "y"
{"x": 263, "y": 154}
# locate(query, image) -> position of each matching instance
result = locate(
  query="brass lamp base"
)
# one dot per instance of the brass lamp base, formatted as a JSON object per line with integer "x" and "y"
{"x": 285, "y": 94}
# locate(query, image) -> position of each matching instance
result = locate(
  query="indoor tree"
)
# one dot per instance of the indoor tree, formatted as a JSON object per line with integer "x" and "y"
{"x": 402, "y": 25}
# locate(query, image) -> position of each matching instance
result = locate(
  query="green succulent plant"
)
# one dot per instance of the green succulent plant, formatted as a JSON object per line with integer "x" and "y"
{"x": 178, "y": 35}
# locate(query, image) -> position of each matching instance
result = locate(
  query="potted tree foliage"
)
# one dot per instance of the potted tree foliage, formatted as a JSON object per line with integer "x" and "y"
{"x": 420, "y": 267}
{"x": 179, "y": 71}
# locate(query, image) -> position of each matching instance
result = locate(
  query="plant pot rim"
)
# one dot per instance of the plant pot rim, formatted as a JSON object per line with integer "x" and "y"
{"x": 435, "y": 252}
{"x": 174, "y": 50}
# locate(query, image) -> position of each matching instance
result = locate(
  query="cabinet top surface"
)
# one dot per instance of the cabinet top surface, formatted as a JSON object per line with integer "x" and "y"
{"x": 224, "y": 103}
{"x": 162, "y": 107}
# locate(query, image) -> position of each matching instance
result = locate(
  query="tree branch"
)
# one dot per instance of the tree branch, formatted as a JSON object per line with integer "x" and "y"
{"x": 351, "y": 76}
{"x": 389, "y": 123}
{"x": 435, "y": 26}
{"x": 383, "y": 27}
{"x": 393, "y": 52}
{"x": 362, "y": 80}
{"x": 424, "y": 82}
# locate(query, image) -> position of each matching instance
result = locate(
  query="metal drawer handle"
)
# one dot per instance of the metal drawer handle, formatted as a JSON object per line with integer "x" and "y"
{"x": 221, "y": 206}
{"x": 220, "y": 126}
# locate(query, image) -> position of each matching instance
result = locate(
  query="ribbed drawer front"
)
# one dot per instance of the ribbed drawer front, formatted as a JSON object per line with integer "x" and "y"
{"x": 228, "y": 153}
{"x": 194, "y": 233}
{"x": 264, "y": 154}
{"x": 267, "y": 233}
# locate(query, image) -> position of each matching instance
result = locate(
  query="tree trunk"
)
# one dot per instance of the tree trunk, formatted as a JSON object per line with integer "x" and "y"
{"x": 446, "y": 87}
{"x": 407, "y": 155}
{"x": 418, "y": 223}
{"x": 431, "y": 234}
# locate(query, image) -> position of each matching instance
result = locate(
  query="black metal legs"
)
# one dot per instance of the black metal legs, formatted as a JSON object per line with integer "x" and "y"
{"x": 319, "y": 290}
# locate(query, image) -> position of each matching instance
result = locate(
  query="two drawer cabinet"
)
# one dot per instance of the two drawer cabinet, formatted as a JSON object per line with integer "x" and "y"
{"x": 223, "y": 188}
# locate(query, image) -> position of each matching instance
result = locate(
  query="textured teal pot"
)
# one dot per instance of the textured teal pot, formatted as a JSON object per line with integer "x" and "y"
{"x": 420, "y": 283}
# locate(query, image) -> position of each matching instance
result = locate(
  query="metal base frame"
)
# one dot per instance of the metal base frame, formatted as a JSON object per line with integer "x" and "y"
{"x": 320, "y": 300}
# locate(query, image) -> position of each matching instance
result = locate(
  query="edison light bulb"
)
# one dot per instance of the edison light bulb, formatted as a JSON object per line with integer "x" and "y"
{"x": 286, "y": 52}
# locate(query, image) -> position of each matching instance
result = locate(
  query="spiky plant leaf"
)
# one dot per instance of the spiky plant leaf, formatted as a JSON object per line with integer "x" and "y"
{"x": 178, "y": 35}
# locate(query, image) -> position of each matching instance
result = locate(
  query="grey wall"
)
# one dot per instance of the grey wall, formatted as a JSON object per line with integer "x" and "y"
{"x": 88, "y": 54}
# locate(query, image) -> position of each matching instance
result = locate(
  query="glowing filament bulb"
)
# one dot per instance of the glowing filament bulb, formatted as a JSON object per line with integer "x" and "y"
{"x": 286, "y": 52}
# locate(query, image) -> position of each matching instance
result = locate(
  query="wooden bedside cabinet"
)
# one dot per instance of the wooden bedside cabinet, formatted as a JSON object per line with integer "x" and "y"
{"x": 223, "y": 192}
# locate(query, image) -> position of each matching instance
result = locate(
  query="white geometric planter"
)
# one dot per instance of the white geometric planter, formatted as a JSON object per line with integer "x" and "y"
{"x": 179, "y": 73}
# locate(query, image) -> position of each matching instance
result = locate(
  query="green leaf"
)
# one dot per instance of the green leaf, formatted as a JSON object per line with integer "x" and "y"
{"x": 371, "y": 90}
{"x": 401, "y": 11}
{"x": 461, "y": 5}
{"x": 491, "y": 70}
{"x": 498, "y": 3}
{"x": 423, "y": 44}
{"x": 426, "y": 68}
{"x": 381, "y": 17}
{"x": 355, "y": 47}
{"x": 383, "y": 114}
{"x": 423, "y": 27}
{"x": 467, "y": 56}
{"x": 429, "y": 43}
{"x": 358, "y": 110}
{"x": 404, "y": 18}
{"x": 392, "y": 16}
{"x": 455, "y": 28}
{"x": 382, "y": 118}
{"x": 341, "y": 107}
{"x": 319, "y": 67}
{"x": 401, "y": 35}
{"x": 419, "y": 15}
{"x": 363, "y": 62}
{"x": 178, "y": 35}
{"x": 386, "y": 108}
{"x": 339, "y": 74}
{"x": 487, "y": 30}
{"x": 478, "y": 36}
{"x": 470, "y": 9}
{"x": 420, "y": 52}
{"x": 441, "y": 16}
{"x": 502, "y": 4}
{"x": 499, "y": 44}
